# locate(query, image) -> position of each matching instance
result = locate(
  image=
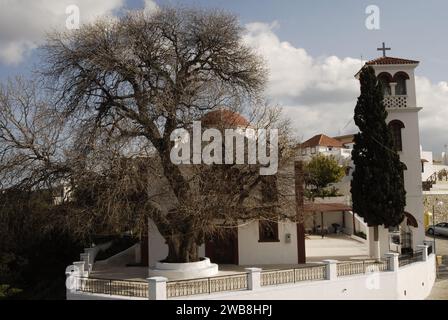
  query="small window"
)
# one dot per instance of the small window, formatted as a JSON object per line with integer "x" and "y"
{"x": 313, "y": 150}
{"x": 303, "y": 151}
{"x": 330, "y": 148}
{"x": 268, "y": 231}
{"x": 395, "y": 126}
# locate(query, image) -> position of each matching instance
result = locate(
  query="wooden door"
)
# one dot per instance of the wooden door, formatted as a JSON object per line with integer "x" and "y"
{"x": 223, "y": 248}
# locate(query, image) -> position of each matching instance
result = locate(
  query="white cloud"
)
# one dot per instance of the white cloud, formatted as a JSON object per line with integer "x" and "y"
{"x": 319, "y": 94}
{"x": 13, "y": 52}
{"x": 23, "y": 23}
{"x": 433, "y": 98}
{"x": 150, "y": 5}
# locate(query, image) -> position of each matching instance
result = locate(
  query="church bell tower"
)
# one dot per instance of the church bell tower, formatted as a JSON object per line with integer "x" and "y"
{"x": 397, "y": 76}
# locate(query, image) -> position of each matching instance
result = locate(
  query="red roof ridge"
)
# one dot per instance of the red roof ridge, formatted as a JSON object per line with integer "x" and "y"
{"x": 321, "y": 140}
{"x": 391, "y": 60}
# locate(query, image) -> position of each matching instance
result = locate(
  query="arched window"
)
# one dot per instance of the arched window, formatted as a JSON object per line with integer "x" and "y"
{"x": 400, "y": 78}
{"x": 395, "y": 127}
{"x": 385, "y": 79}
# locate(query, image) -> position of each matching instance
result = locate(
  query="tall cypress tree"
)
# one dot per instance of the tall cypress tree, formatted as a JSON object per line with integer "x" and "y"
{"x": 377, "y": 186}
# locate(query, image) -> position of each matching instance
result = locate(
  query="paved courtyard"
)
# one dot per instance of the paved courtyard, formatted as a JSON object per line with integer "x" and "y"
{"x": 337, "y": 247}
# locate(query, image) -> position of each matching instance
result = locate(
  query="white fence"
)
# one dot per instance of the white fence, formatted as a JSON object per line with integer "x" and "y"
{"x": 390, "y": 279}
{"x": 87, "y": 259}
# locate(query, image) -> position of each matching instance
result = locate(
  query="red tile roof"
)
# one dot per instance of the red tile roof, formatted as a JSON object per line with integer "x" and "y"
{"x": 321, "y": 140}
{"x": 390, "y": 60}
{"x": 224, "y": 117}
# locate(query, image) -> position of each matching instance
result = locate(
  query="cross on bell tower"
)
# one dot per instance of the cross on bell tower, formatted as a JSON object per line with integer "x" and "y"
{"x": 384, "y": 49}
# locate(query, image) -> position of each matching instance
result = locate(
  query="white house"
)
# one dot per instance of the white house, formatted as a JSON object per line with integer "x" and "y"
{"x": 322, "y": 144}
{"x": 432, "y": 164}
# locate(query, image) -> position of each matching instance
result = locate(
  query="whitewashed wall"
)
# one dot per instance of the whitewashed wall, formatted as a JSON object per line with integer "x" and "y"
{"x": 250, "y": 251}
{"x": 427, "y": 166}
{"x": 157, "y": 248}
{"x": 411, "y": 282}
{"x": 360, "y": 225}
{"x": 416, "y": 279}
{"x": 412, "y": 176}
{"x": 411, "y": 153}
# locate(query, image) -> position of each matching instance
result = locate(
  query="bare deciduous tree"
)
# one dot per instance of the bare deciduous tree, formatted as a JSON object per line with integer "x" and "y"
{"x": 122, "y": 87}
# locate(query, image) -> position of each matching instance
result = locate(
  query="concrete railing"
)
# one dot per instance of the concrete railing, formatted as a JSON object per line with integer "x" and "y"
{"x": 209, "y": 285}
{"x": 254, "y": 282}
{"x": 84, "y": 266}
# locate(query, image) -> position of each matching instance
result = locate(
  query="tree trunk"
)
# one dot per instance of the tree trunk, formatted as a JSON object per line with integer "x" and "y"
{"x": 144, "y": 253}
{"x": 375, "y": 244}
{"x": 182, "y": 250}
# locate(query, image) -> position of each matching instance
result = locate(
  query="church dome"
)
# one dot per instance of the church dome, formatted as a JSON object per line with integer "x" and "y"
{"x": 224, "y": 118}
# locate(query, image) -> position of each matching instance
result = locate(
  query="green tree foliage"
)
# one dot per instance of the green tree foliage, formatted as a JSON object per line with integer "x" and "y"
{"x": 320, "y": 172}
{"x": 377, "y": 187}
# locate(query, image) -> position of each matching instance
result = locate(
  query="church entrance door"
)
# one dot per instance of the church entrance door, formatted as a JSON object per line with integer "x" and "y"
{"x": 223, "y": 248}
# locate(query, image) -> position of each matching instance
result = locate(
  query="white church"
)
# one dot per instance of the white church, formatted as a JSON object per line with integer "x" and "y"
{"x": 400, "y": 101}
{"x": 272, "y": 251}
{"x": 250, "y": 246}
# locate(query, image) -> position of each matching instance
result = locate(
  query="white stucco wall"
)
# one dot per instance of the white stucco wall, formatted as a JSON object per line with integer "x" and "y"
{"x": 410, "y": 156}
{"x": 411, "y": 282}
{"x": 250, "y": 251}
{"x": 416, "y": 279}
{"x": 157, "y": 248}
{"x": 360, "y": 225}
{"x": 427, "y": 166}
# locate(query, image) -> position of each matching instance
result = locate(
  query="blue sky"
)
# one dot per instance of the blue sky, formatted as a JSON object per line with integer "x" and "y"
{"x": 414, "y": 29}
{"x": 319, "y": 43}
